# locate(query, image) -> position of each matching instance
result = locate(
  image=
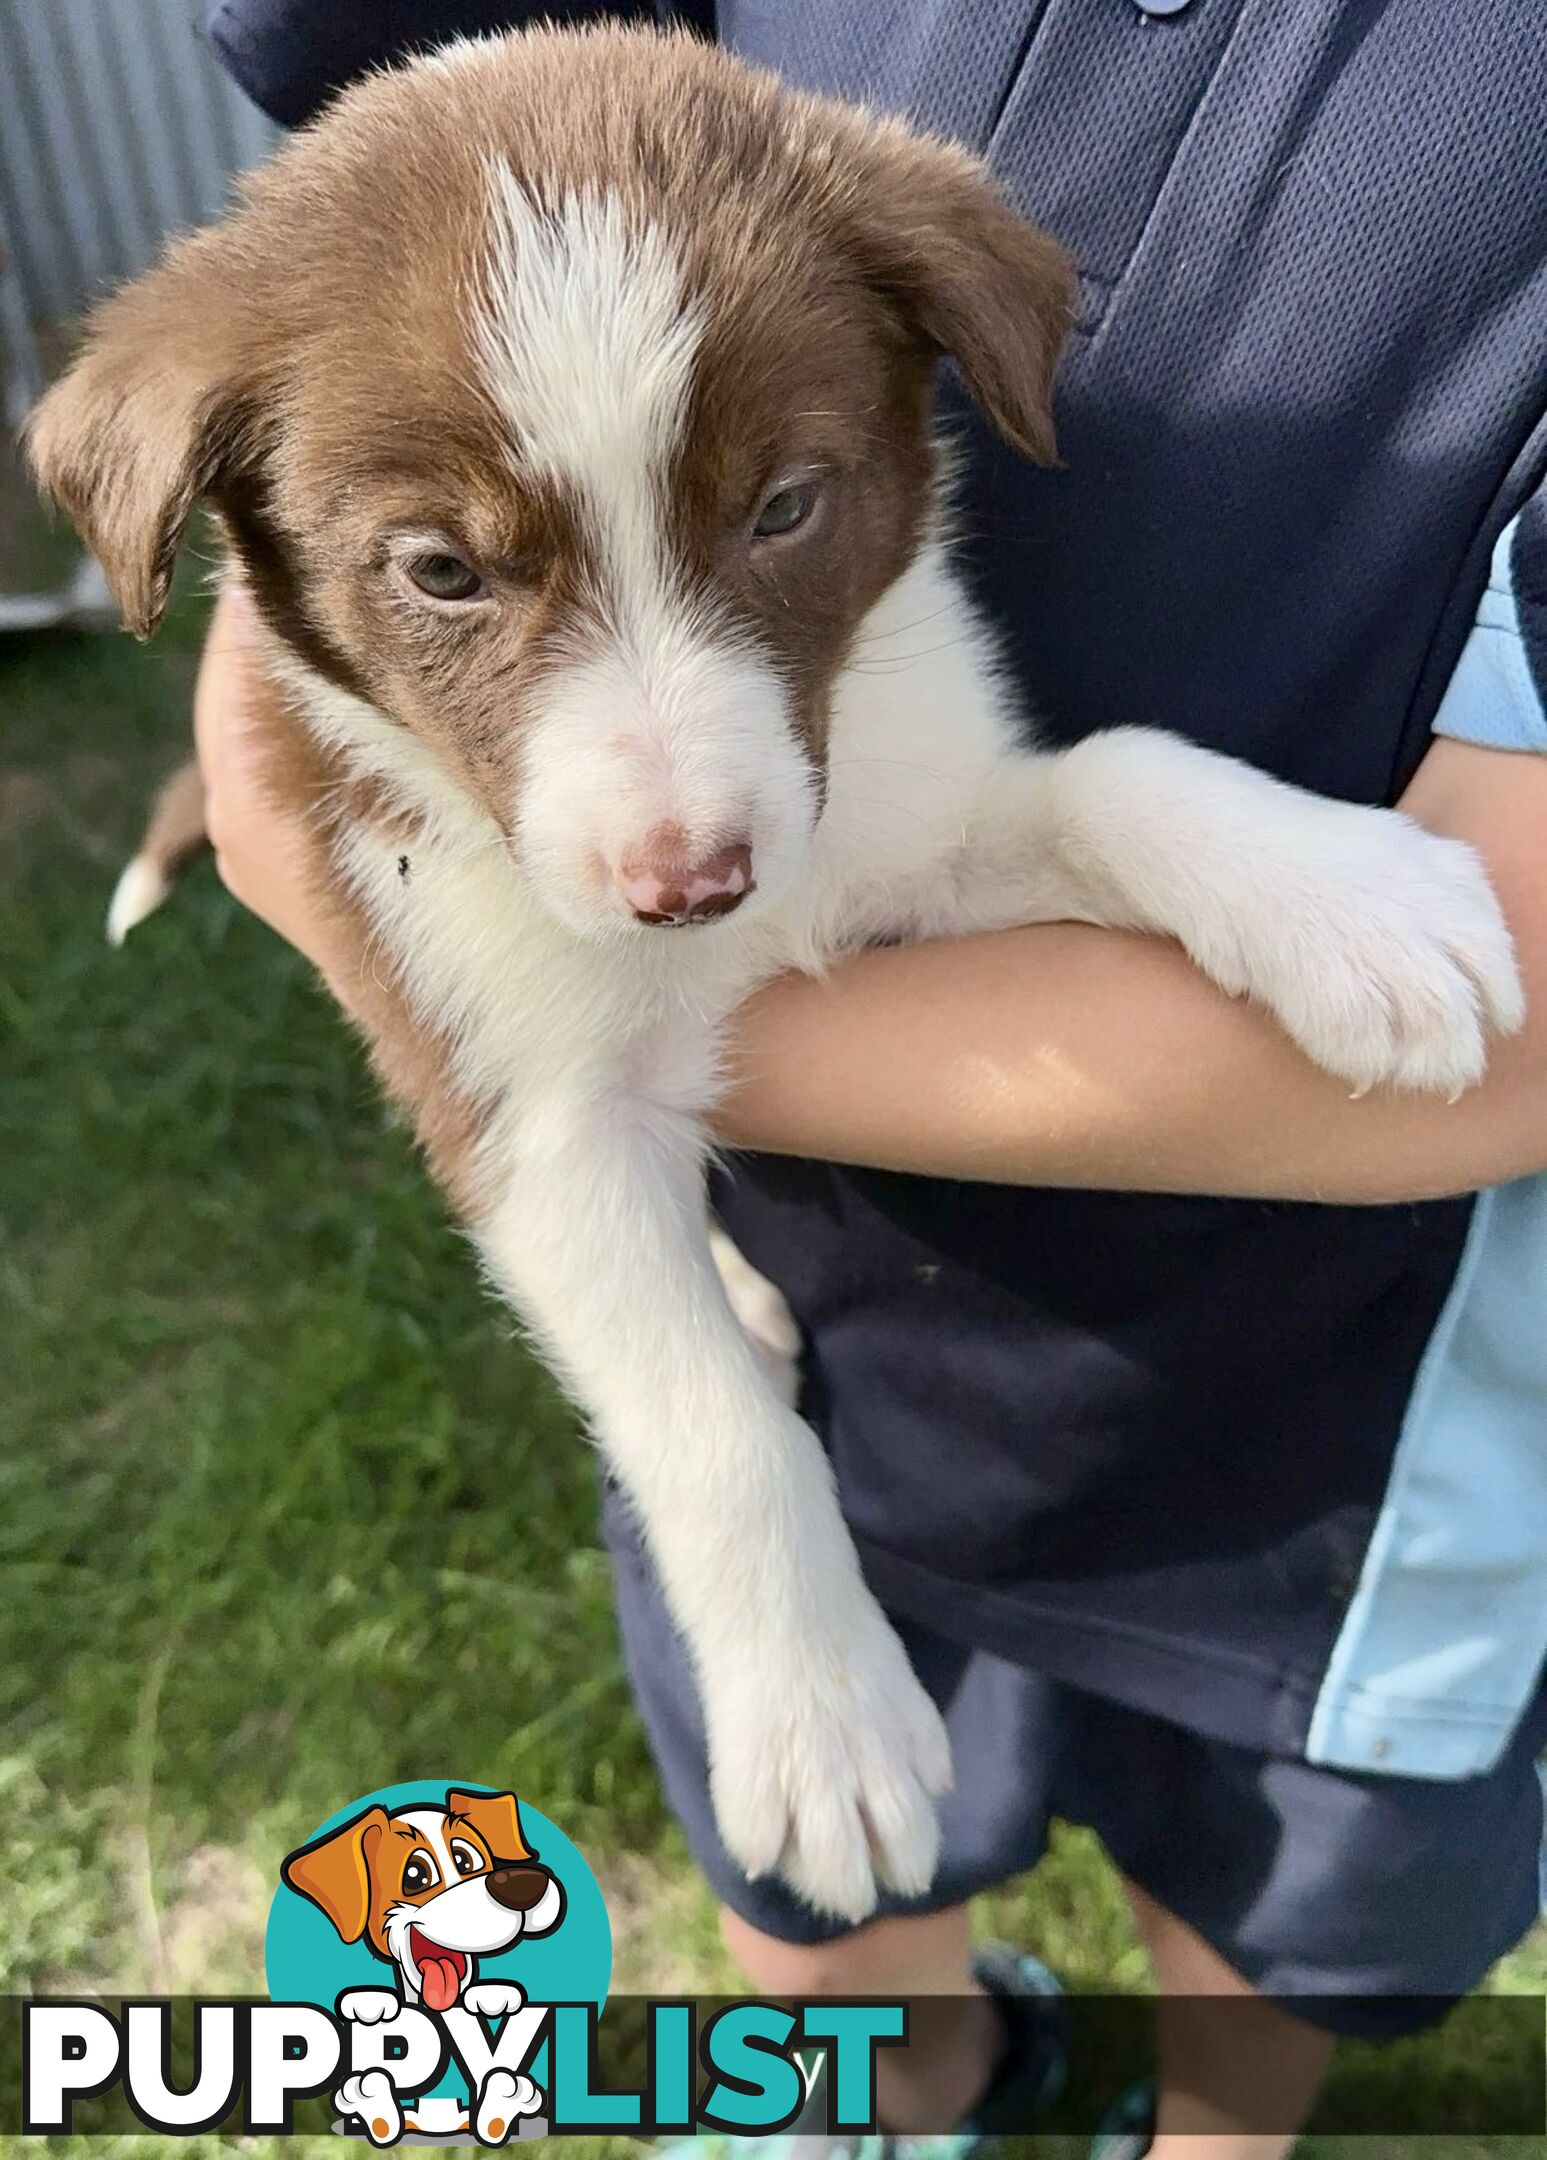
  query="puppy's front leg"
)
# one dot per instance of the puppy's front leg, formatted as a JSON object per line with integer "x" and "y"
{"x": 1379, "y": 946}
{"x": 826, "y": 1755}
{"x": 765, "y": 1318}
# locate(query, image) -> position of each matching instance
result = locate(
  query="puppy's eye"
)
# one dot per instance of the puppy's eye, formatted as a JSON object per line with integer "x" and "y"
{"x": 421, "y": 1873}
{"x": 467, "y": 1862}
{"x": 444, "y": 577}
{"x": 784, "y": 511}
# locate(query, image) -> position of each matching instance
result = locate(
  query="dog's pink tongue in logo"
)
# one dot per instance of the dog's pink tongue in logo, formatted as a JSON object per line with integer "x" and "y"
{"x": 438, "y": 1977}
{"x": 441, "y": 1971}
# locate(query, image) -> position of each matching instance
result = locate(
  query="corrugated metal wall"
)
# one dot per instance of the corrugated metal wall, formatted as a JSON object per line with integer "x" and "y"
{"x": 116, "y": 127}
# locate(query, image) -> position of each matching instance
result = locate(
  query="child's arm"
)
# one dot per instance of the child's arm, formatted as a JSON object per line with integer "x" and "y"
{"x": 1059, "y": 1055}
{"x": 1063, "y": 1055}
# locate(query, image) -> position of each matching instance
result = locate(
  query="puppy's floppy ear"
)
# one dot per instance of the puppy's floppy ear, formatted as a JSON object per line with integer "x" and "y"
{"x": 969, "y": 275}
{"x": 335, "y": 1871}
{"x": 496, "y": 1818}
{"x": 152, "y": 415}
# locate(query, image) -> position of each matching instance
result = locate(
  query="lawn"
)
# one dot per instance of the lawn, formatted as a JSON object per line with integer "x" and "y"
{"x": 288, "y": 1513}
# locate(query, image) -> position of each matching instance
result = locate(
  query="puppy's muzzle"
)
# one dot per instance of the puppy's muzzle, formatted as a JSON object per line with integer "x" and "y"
{"x": 518, "y": 1889}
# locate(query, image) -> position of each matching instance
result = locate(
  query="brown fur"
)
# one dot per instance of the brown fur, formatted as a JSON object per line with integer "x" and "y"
{"x": 307, "y": 367}
{"x": 317, "y": 794}
{"x": 355, "y": 1873}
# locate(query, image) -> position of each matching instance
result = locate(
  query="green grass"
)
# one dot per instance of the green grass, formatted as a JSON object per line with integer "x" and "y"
{"x": 271, "y": 1455}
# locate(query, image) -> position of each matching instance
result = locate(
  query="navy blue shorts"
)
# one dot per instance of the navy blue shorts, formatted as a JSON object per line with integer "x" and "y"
{"x": 1361, "y": 1892}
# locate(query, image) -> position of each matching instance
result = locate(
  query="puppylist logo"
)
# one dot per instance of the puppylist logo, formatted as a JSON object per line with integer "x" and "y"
{"x": 438, "y": 1958}
{"x": 437, "y": 1891}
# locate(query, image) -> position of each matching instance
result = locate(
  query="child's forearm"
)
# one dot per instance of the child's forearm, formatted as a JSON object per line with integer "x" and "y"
{"x": 1059, "y": 1055}
{"x": 1063, "y": 1055}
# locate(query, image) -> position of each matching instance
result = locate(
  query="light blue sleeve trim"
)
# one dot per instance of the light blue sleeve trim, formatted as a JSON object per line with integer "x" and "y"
{"x": 1445, "y": 1638}
{"x": 1492, "y": 698}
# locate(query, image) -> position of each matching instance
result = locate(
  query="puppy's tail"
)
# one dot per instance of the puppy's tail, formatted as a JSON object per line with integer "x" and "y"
{"x": 173, "y": 837}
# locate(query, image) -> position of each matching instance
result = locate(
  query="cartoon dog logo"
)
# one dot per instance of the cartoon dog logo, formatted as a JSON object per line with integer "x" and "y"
{"x": 430, "y": 1890}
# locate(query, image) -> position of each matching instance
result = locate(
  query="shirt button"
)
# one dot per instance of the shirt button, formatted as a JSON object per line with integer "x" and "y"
{"x": 1161, "y": 7}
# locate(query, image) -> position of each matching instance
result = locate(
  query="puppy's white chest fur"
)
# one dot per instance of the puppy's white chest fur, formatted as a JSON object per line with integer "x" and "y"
{"x": 1378, "y": 945}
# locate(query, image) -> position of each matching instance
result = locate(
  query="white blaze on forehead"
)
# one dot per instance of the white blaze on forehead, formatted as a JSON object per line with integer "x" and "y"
{"x": 587, "y": 343}
{"x": 588, "y": 340}
{"x": 431, "y": 1824}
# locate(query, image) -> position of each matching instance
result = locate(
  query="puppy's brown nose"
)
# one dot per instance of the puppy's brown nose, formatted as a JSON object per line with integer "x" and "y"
{"x": 669, "y": 890}
{"x": 518, "y": 1889}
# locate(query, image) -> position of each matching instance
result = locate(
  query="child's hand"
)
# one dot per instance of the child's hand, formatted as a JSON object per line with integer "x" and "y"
{"x": 260, "y": 855}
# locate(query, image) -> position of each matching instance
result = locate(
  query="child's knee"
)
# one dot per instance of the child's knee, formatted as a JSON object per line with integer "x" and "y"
{"x": 922, "y": 1954}
{"x": 790, "y": 1968}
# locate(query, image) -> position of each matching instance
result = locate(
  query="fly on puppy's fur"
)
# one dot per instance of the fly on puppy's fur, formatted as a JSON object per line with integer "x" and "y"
{"x": 566, "y": 403}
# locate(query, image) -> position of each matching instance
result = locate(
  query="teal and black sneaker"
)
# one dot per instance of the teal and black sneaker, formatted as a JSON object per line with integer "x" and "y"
{"x": 1128, "y": 2128}
{"x": 1030, "y": 2075}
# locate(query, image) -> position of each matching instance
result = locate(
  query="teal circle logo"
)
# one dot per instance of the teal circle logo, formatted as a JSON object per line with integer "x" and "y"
{"x": 433, "y": 1891}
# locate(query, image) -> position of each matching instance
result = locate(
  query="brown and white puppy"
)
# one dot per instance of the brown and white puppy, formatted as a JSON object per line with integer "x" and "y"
{"x": 430, "y": 1890}
{"x": 566, "y": 400}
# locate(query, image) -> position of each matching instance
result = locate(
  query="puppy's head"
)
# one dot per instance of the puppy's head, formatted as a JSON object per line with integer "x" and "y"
{"x": 431, "y": 1888}
{"x": 567, "y": 400}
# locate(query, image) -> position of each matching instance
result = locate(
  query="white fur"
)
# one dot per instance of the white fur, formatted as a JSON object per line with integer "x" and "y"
{"x": 139, "y": 892}
{"x": 587, "y": 345}
{"x": 1379, "y": 947}
{"x": 689, "y": 731}
{"x": 760, "y": 1308}
{"x": 669, "y": 718}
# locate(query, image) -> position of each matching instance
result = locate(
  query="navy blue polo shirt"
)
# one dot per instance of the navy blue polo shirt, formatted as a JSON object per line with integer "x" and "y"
{"x": 1276, "y": 1471}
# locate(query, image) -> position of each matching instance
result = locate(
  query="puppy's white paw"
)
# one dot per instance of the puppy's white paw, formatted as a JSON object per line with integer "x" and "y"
{"x": 760, "y": 1307}
{"x": 1384, "y": 954}
{"x": 370, "y": 2098}
{"x": 493, "y": 1998}
{"x": 827, "y": 1757}
{"x": 504, "y": 2100}
{"x": 368, "y": 2006}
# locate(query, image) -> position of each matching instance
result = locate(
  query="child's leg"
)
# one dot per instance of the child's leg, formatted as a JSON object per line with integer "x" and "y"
{"x": 1003, "y": 1723}
{"x": 956, "y": 2033}
{"x": 1212, "y": 2081}
{"x": 1216, "y": 2078}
